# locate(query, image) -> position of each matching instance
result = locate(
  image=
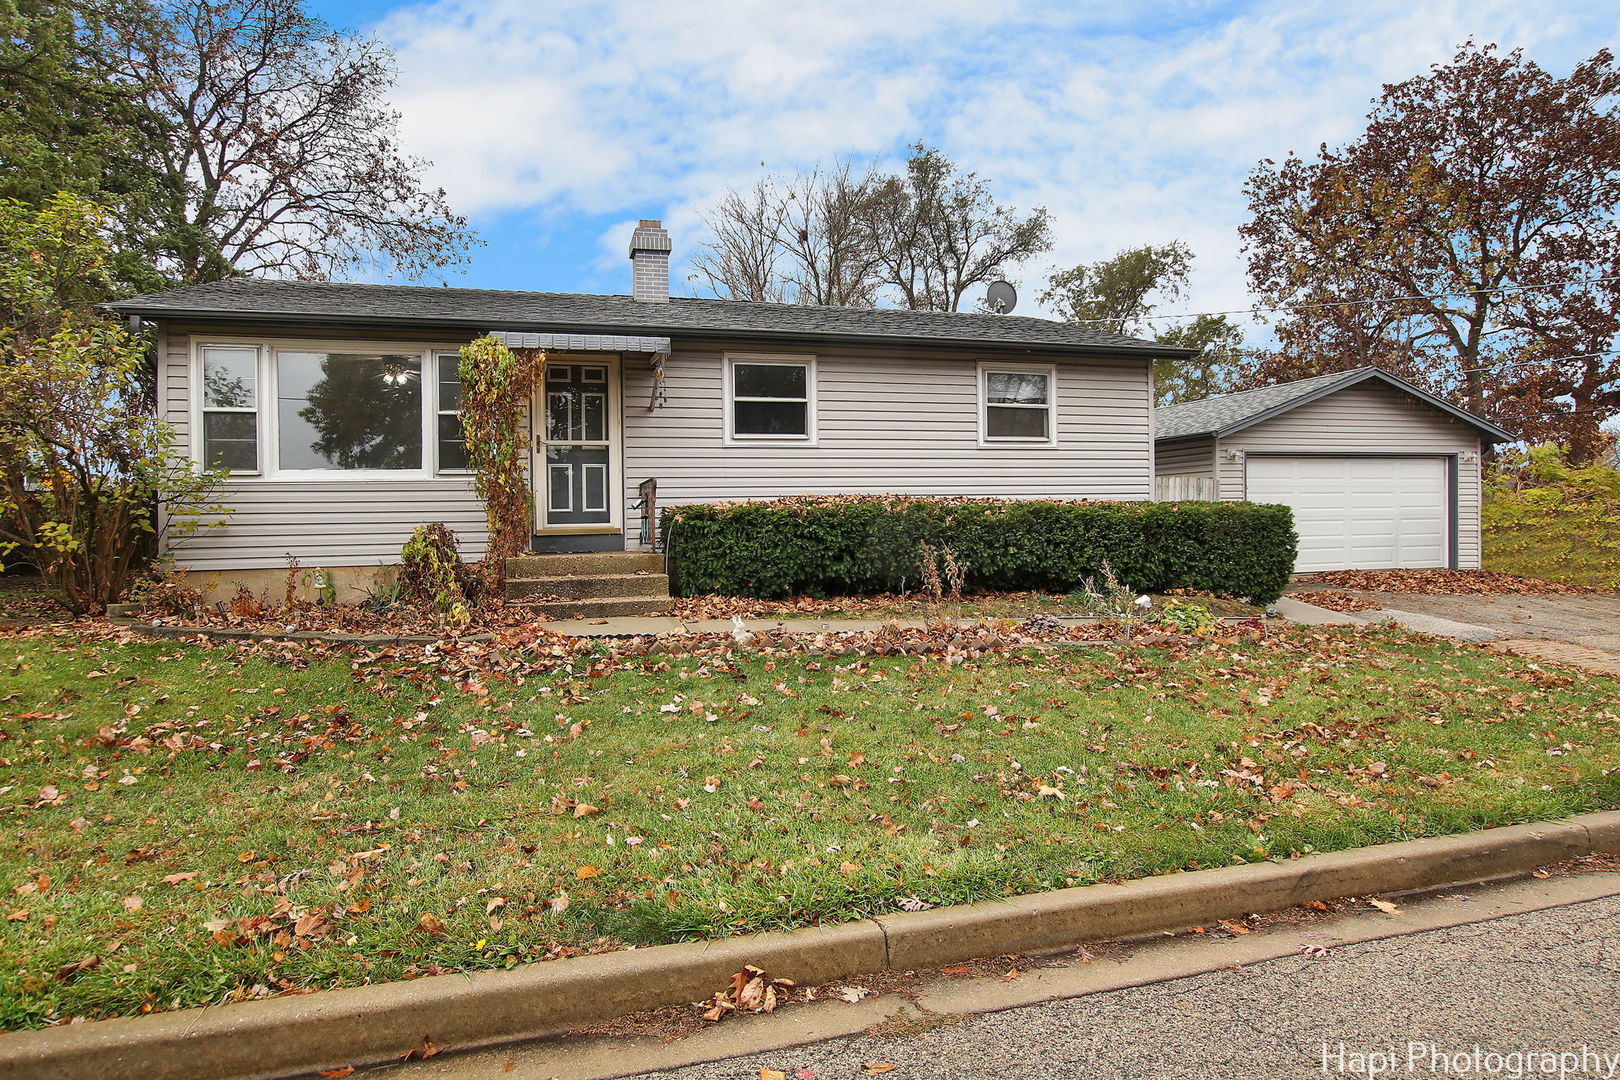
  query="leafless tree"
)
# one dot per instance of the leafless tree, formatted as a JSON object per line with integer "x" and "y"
{"x": 823, "y": 227}
{"x": 741, "y": 258}
{"x": 280, "y": 156}
{"x": 939, "y": 232}
{"x": 803, "y": 238}
{"x": 849, "y": 237}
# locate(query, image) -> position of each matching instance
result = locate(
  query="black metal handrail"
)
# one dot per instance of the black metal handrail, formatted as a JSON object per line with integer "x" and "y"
{"x": 648, "y": 505}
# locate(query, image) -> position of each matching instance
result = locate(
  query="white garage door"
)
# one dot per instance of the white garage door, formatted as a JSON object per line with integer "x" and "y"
{"x": 1360, "y": 513}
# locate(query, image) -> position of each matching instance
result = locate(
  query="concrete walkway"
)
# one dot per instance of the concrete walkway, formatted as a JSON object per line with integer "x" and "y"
{"x": 1296, "y": 610}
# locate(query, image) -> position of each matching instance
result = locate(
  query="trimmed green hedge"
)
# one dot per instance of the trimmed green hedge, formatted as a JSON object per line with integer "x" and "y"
{"x": 849, "y": 545}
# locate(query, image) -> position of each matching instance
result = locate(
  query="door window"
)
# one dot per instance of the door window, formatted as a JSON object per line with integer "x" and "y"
{"x": 578, "y": 450}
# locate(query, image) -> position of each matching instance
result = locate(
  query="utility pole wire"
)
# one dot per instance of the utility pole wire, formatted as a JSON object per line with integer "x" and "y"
{"x": 1357, "y": 303}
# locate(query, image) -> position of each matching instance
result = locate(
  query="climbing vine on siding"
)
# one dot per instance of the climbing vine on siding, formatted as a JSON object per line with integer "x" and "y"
{"x": 496, "y": 383}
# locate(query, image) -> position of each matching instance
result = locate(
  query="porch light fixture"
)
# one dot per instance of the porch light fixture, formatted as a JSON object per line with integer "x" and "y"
{"x": 397, "y": 376}
{"x": 1232, "y": 455}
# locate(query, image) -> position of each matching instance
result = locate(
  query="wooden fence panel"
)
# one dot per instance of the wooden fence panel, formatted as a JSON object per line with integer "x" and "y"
{"x": 1183, "y": 488}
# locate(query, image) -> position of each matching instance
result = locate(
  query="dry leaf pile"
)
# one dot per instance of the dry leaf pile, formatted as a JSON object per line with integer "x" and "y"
{"x": 1449, "y": 583}
{"x": 752, "y": 990}
{"x": 1334, "y": 600}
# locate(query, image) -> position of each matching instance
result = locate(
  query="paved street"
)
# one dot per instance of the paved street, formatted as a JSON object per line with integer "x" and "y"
{"x": 1545, "y": 980}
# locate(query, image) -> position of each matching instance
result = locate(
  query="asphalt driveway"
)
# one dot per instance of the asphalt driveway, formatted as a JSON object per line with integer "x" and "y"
{"x": 1592, "y": 620}
{"x": 1435, "y": 1003}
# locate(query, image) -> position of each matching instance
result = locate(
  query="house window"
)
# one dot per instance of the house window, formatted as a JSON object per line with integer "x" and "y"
{"x": 452, "y": 442}
{"x": 230, "y": 408}
{"x": 341, "y": 411}
{"x": 771, "y": 398}
{"x": 1017, "y": 404}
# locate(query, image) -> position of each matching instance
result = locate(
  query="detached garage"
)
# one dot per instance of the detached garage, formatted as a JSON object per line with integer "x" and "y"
{"x": 1380, "y": 474}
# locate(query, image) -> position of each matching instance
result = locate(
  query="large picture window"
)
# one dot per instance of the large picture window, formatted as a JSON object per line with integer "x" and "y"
{"x": 348, "y": 411}
{"x": 771, "y": 399}
{"x": 1016, "y": 404}
{"x": 230, "y": 408}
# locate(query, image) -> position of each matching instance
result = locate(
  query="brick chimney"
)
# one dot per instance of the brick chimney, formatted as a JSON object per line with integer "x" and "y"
{"x": 649, "y": 262}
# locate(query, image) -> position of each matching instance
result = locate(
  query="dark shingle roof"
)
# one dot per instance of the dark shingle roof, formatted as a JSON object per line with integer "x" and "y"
{"x": 1228, "y": 413}
{"x": 335, "y": 303}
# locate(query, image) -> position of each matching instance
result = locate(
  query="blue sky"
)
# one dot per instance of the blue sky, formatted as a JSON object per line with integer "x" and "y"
{"x": 554, "y": 125}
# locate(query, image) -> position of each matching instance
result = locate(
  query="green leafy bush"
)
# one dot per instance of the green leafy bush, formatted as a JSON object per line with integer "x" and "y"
{"x": 91, "y": 479}
{"x": 1546, "y": 518}
{"x": 850, "y": 545}
{"x": 432, "y": 576}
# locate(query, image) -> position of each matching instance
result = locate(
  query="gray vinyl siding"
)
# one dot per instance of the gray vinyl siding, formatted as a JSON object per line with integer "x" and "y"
{"x": 321, "y": 523}
{"x": 1191, "y": 457}
{"x": 889, "y": 420}
{"x": 903, "y": 422}
{"x": 1370, "y": 418}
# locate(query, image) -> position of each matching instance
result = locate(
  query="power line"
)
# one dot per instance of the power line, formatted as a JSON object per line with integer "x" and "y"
{"x": 1541, "y": 360}
{"x": 1358, "y": 303}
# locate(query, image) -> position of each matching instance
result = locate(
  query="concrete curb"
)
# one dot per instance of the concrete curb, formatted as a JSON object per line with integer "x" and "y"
{"x": 377, "y": 1024}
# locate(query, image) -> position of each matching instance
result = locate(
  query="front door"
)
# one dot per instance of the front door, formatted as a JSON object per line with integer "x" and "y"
{"x": 574, "y": 451}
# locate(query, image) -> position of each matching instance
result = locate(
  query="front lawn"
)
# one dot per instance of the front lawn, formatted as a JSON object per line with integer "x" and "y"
{"x": 184, "y": 826}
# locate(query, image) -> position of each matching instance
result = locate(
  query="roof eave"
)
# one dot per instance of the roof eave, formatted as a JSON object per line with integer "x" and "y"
{"x": 360, "y": 321}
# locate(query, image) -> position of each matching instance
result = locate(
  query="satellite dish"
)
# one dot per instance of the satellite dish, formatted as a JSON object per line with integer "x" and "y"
{"x": 1001, "y": 297}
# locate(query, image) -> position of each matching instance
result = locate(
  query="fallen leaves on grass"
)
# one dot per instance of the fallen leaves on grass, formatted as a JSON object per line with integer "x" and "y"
{"x": 67, "y": 972}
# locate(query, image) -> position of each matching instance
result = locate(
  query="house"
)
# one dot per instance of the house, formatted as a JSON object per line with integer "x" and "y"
{"x": 334, "y": 406}
{"x": 1379, "y": 473}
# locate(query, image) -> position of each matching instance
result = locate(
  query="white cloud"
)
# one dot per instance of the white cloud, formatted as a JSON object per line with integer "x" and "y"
{"x": 1131, "y": 123}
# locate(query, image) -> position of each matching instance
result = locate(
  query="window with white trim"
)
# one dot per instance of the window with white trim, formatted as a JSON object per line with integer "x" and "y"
{"x": 1017, "y": 404}
{"x": 452, "y": 447}
{"x": 230, "y": 407}
{"x": 770, "y": 398}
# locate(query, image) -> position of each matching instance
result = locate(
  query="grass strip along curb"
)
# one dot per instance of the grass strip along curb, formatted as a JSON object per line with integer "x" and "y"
{"x": 381, "y": 1023}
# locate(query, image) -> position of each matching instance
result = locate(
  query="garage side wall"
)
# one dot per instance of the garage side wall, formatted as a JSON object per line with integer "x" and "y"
{"x": 1185, "y": 457}
{"x": 1367, "y": 419}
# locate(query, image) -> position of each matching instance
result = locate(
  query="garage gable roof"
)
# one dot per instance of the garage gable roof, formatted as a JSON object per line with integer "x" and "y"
{"x": 1228, "y": 413}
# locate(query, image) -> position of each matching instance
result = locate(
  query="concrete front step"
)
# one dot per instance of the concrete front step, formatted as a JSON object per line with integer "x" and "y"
{"x": 548, "y": 610}
{"x": 590, "y": 587}
{"x": 584, "y": 564}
